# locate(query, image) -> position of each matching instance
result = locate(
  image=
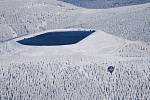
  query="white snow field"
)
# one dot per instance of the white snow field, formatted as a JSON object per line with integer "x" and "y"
{"x": 61, "y": 49}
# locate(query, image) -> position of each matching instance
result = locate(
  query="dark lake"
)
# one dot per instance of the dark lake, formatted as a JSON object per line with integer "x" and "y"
{"x": 56, "y": 38}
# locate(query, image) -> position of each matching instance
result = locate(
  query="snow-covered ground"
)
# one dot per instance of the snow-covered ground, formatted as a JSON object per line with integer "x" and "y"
{"x": 77, "y": 70}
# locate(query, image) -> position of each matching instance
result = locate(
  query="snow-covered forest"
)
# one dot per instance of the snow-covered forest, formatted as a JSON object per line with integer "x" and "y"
{"x": 74, "y": 49}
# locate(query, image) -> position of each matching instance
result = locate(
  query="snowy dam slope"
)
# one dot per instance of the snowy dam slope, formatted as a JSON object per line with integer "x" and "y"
{"x": 100, "y": 43}
{"x": 92, "y": 43}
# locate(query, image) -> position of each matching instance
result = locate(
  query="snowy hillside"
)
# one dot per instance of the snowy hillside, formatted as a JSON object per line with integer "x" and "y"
{"x": 63, "y": 49}
{"x": 34, "y": 16}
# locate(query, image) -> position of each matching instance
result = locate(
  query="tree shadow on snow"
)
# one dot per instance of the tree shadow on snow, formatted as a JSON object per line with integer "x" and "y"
{"x": 56, "y": 38}
{"x": 104, "y": 4}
